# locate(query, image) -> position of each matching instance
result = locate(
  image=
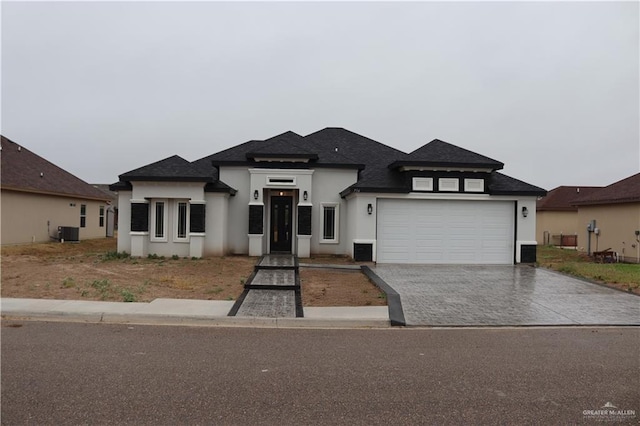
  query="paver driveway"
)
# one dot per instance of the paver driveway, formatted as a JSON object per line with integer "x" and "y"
{"x": 504, "y": 295}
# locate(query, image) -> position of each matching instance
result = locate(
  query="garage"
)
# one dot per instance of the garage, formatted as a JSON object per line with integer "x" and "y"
{"x": 445, "y": 231}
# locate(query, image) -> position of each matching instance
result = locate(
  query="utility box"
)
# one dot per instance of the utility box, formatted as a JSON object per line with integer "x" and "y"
{"x": 68, "y": 233}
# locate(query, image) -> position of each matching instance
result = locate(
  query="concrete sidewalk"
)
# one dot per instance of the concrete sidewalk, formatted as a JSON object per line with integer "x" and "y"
{"x": 187, "y": 312}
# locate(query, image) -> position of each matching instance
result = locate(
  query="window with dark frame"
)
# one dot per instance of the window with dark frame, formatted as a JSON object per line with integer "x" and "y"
{"x": 101, "y": 217}
{"x": 182, "y": 220}
{"x": 329, "y": 223}
{"x": 159, "y": 220}
{"x": 83, "y": 215}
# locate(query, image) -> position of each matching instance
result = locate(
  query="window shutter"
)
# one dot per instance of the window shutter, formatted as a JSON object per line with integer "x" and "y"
{"x": 197, "y": 218}
{"x": 140, "y": 217}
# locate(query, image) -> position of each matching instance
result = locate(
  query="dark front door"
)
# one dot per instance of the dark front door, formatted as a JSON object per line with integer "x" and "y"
{"x": 281, "y": 224}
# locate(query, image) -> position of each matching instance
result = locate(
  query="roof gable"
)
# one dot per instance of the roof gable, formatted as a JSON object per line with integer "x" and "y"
{"x": 23, "y": 170}
{"x": 624, "y": 191}
{"x": 562, "y": 198}
{"x": 171, "y": 168}
{"x": 439, "y": 153}
{"x": 336, "y": 145}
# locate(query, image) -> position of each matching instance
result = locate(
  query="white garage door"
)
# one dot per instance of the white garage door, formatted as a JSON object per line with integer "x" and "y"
{"x": 449, "y": 232}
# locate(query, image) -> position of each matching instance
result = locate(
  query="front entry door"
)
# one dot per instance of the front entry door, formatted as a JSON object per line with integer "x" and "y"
{"x": 281, "y": 224}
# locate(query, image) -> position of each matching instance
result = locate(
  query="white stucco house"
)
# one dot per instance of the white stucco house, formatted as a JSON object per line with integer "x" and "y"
{"x": 330, "y": 192}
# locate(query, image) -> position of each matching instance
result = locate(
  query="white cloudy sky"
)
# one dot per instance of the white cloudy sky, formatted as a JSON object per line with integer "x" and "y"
{"x": 550, "y": 89}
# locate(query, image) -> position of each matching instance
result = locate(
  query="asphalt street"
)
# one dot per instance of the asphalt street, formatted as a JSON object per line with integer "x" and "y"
{"x": 72, "y": 373}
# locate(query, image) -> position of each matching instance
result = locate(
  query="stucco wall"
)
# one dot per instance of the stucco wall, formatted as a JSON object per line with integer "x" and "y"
{"x": 363, "y": 227}
{"x": 238, "y": 213}
{"x": 28, "y": 217}
{"x": 327, "y": 185}
{"x": 556, "y": 223}
{"x": 216, "y": 224}
{"x": 124, "y": 221}
{"x": 617, "y": 224}
{"x": 141, "y": 243}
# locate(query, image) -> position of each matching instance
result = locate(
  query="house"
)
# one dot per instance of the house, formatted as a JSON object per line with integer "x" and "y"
{"x": 330, "y": 192}
{"x": 112, "y": 209}
{"x": 557, "y": 218}
{"x": 39, "y": 197}
{"x": 610, "y": 219}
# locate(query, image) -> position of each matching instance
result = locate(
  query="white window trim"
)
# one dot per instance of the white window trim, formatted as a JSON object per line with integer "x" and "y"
{"x": 449, "y": 184}
{"x": 336, "y": 225}
{"x": 422, "y": 184}
{"x": 474, "y": 185}
{"x": 176, "y": 215}
{"x": 152, "y": 233}
{"x": 281, "y": 181}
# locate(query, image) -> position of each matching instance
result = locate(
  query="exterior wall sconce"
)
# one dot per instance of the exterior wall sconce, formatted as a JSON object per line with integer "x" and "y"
{"x": 305, "y": 195}
{"x": 369, "y": 208}
{"x": 525, "y": 212}
{"x": 256, "y": 194}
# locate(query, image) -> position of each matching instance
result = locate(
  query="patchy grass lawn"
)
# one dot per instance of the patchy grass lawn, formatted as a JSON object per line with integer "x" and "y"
{"x": 94, "y": 270}
{"x": 624, "y": 276}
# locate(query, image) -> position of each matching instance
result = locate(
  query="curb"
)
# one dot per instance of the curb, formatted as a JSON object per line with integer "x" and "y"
{"x": 195, "y": 320}
{"x": 396, "y": 314}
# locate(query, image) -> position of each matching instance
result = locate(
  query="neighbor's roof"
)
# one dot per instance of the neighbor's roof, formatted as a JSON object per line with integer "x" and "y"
{"x": 23, "y": 170}
{"x": 624, "y": 191}
{"x": 562, "y": 198}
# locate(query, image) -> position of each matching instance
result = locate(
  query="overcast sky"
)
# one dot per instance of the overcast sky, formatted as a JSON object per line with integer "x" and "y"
{"x": 549, "y": 89}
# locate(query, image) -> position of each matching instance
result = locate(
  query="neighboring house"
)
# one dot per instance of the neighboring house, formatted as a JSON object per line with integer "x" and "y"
{"x": 38, "y": 197}
{"x": 330, "y": 192}
{"x": 615, "y": 213}
{"x": 557, "y": 218}
{"x": 112, "y": 209}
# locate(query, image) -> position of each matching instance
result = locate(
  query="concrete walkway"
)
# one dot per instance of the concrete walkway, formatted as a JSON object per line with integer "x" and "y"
{"x": 447, "y": 295}
{"x": 272, "y": 291}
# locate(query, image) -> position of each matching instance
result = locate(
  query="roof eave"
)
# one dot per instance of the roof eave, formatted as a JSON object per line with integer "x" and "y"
{"x": 534, "y": 193}
{"x": 602, "y": 202}
{"x": 438, "y": 165}
{"x": 165, "y": 179}
{"x": 54, "y": 193}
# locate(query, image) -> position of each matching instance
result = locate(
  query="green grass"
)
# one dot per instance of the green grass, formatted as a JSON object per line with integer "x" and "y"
{"x": 571, "y": 262}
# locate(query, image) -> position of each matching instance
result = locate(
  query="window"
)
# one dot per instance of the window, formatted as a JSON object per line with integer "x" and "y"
{"x": 159, "y": 222}
{"x": 422, "y": 184}
{"x": 182, "y": 224}
{"x": 474, "y": 185}
{"x": 448, "y": 184}
{"x": 330, "y": 221}
{"x": 83, "y": 215}
{"x": 101, "y": 217}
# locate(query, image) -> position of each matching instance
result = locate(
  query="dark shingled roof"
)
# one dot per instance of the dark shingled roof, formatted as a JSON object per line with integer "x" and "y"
{"x": 624, "y": 191}
{"x": 335, "y": 147}
{"x": 438, "y": 153}
{"x": 562, "y": 197}
{"x": 23, "y": 170}
{"x": 500, "y": 184}
{"x": 171, "y": 168}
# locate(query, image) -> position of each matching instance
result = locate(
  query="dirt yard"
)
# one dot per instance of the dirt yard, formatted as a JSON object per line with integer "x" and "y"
{"x": 93, "y": 270}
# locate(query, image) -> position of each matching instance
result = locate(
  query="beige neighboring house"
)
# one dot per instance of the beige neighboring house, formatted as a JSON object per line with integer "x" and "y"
{"x": 41, "y": 202}
{"x": 615, "y": 213}
{"x": 557, "y": 218}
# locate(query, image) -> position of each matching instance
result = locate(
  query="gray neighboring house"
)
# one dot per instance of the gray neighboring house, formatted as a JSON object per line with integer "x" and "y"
{"x": 330, "y": 192}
